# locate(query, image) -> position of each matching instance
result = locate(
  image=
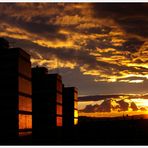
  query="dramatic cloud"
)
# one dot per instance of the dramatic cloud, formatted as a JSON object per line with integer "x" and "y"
{"x": 113, "y": 103}
{"x": 110, "y": 105}
{"x": 116, "y": 106}
{"x": 104, "y": 45}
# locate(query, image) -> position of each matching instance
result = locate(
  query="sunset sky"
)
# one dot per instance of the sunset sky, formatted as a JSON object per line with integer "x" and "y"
{"x": 99, "y": 48}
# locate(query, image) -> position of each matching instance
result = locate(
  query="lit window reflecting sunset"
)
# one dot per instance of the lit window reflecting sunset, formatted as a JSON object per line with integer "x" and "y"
{"x": 25, "y": 86}
{"x": 25, "y": 121}
{"x": 25, "y": 103}
{"x": 59, "y": 121}
{"x": 75, "y": 121}
{"x": 59, "y": 109}
{"x": 75, "y": 113}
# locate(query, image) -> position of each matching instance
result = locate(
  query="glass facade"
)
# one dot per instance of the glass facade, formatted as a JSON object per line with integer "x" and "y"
{"x": 75, "y": 107}
{"x": 25, "y": 86}
{"x": 59, "y": 84}
{"x": 75, "y": 113}
{"x": 75, "y": 121}
{"x": 25, "y": 121}
{"x": 59, "y": 121}
{"x": 76, "y": 104}
{"x": 59, "y": 118}
{"x": 23, "y": 63}
{"x": 25, "y": 103}
{"x": 16, "y": 102}
{"x": 47, "y": 95}
{"x": 59, "y": 109}
{"x": 59, "y": 98}
{"x": 24, "y": 98}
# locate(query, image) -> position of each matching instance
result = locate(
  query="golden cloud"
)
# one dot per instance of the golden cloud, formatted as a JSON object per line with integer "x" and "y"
{"x": 53, "y": 63}
{"x": 101, "y": 39}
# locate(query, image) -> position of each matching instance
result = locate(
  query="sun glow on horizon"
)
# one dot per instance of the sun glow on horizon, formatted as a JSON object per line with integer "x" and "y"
{"x": 116, "y": 114}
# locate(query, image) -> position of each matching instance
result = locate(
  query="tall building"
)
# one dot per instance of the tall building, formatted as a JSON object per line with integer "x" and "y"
{"x": 55, "y": 87}
{"x": 70, "y": 106}
{"x": 47, "y": 100}
{"x": 16, "y": 91}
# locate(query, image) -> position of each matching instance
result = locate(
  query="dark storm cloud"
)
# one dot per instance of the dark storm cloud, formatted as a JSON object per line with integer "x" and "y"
{"x": 101, "y": 40}
{"x": 132, "y": 45}
{"x": 131, "y": 17}
{"x": 62, "y": 53}
{"x": 96, "y": 30}
{"x": 104, "y": 42}
{"x": 82, "y": 57}
{"x": 37, "y": 25}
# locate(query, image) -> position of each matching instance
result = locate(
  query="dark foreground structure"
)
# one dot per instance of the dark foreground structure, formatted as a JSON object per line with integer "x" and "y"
{"x": 93, "y": 131}
{"x": 15, "y": 95}
{"x": 70, "y": 106}
{"x": 47, "y": 102}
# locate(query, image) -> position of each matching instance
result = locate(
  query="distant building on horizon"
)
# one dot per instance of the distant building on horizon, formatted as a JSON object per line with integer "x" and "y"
{"x": 70, "y": 106}
{"x": 16, "y": 91}
{"x": 47, "y": 100}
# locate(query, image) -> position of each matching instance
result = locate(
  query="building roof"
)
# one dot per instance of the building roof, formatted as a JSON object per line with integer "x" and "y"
{"x": 39, "y": 70}
{"x": 71, "y": 88}
{"x": 4, "y": 43}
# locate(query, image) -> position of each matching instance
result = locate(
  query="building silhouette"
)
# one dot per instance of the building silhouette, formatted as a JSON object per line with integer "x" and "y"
{"x": 4, "y": 44}
{"x": 47, "y": 100}
{"x": 15, "y": 95}
{"x": 70, "y": 106}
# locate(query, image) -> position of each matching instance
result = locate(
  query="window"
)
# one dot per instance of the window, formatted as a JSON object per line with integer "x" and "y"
{"x": 59, "y": 109}
{"x": 59, "y": 85}
{"x": 27, "y": 70}
{"x": 75, "y": 121}
{"x": 25, "y": 103}
{"x": 59, "y": 98}
{"x": 75, "y": 96}
{"x": 76, "y": 113}
{"x": 59, "y": 121}
{"x": 25, "y": 121}
{"x": 76, "y": 104}
{"x": 24, "y": 86}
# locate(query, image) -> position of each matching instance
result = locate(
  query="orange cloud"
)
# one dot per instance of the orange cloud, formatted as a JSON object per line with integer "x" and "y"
{"x": 98, "y": 46}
